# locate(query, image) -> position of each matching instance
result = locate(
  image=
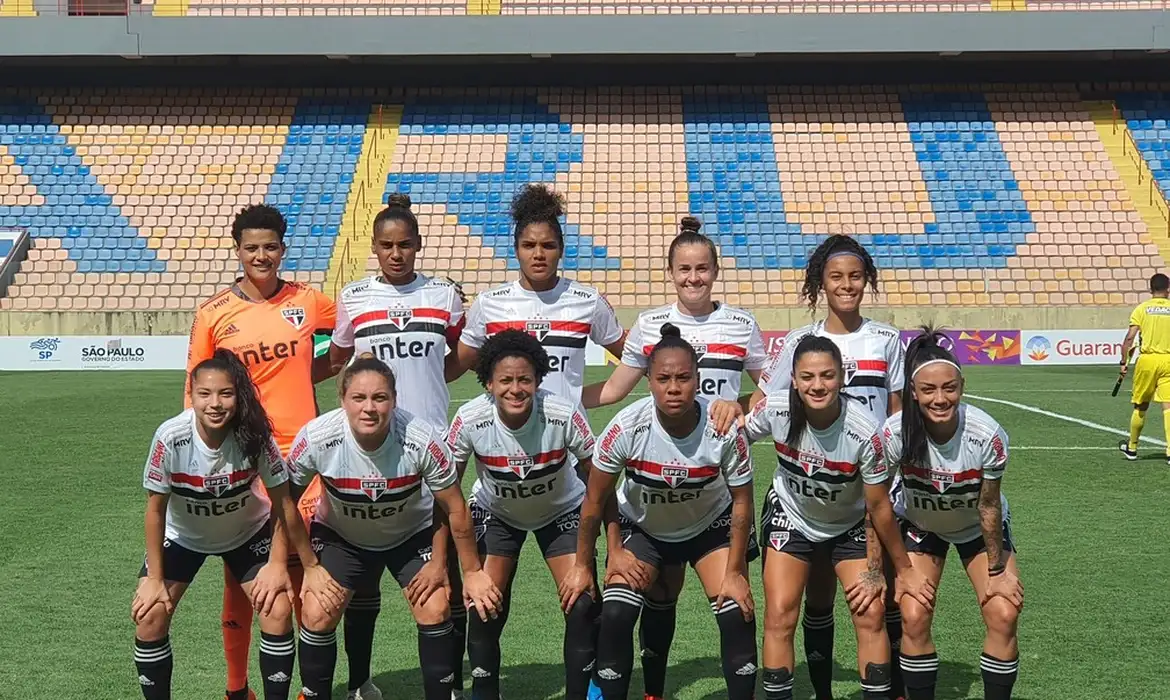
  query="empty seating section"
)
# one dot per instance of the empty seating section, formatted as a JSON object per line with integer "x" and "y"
{"x": 964, "y": 198}
{"x": 323, "y": 8}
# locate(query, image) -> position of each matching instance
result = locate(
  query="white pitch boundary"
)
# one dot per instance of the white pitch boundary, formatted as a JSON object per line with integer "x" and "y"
{"x": 1067, "y": 419}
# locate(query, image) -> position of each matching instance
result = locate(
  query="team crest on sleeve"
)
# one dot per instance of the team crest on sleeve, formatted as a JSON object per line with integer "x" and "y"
{"x": 374, "y": 488}
{"x": 217, "y": 484}
{"x": 674, "y": 476}
{"x": 294, "y": 315}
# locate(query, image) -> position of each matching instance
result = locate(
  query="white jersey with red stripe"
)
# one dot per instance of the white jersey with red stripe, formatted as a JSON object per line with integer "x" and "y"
{"x": 727, "y": 340}
{"x": 375, "y": 500}
{"x": 873, "y": 361}
{"x": 216, "y": 503}
{"x": 819, "y": 481}
{"x": 563, "y": 319}
{"x": 674, "y": 487}
{"x": 407, "y": 327}
{"x": 942, "y": 496}
{"x": 524, "y": 477}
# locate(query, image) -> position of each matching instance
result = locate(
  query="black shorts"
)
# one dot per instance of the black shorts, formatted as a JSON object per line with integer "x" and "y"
{"x": 498, "y": 538}
{"x": 923, "y": 542}
{"x": 660, "y": 553}
{"x": 360, "y": 569}
{"x": 244, "y": 562}
{"x": 781, "y": 535}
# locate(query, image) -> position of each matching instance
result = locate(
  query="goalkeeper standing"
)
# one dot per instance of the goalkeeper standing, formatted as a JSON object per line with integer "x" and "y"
{"x": 1151, "y": 374}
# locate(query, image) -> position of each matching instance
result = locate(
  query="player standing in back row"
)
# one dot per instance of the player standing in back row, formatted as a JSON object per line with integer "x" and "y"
{"x": 1151, "y": 375}
{"x": 561, "y": 313}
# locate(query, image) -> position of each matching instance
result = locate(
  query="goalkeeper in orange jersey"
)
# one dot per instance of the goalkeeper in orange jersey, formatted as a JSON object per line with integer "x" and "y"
{"x": 1151, "y": 374}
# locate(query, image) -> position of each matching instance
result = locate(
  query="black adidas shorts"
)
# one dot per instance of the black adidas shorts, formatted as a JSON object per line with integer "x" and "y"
{"x": 244, "y": 562}
{"x": 360, "y": 569}
{"x": 660, "y": 553}
{"x": 923, "y": 542}
{"x": 498, "y": 538}
{"x": 781, "y": 535}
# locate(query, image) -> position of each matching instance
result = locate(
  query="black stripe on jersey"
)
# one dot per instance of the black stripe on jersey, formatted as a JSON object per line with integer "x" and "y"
{"x": 386, "y": 497}
{"x": 821, "y": 476}
{"x": 663, "y": 486}
{"x": 233, "y": 492}
{"x": 719, "y": 363}
{"x": 928, "y": 488}
{"x": 560, "y": 341}
{"x": 866, "y": 380}
{"x": 504, "y": 474}
{"x": 391, "y": 329}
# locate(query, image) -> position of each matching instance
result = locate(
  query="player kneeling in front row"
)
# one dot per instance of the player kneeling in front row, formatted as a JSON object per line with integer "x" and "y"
{"x": 686, "y": 498}
{"x": 375, "y": 514}
{"x": 522, "y": 438}
{"x": 830, "y": 472}
{"x": 204, "y": 500}
{"x": 952, "y": 458}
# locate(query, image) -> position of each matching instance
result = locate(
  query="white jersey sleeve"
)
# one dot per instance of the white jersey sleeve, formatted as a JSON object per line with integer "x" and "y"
{"x": 996, "y": 455}
{"x": 459, "y": 440}
{"x": 613, "y": 448}
{"x": 580, "y": 438}
{"x": 633, "y": 354}
{"x": 758, "y": 424}
{"x": 737, "y": 461}
{"x": 605, "y": 328}
{"x": 302, "y": 462}
{"x": 343, "y": 331}
{"x": 756, "y": 358}
{"x": 892, "y": 441}
{"x": 274, "y": 472}
{"x": 475, "y": 330}
{"x": 156, "y": 476}
{"x": 896, "y": 366}
{"x": 871, "y": 461}
{"x": 777, "y": 375}
{"x": 456, "y": 309}
{"x": 436, "y": 465}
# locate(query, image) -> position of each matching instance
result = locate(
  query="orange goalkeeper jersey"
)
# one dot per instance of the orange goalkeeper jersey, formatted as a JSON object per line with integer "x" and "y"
{"x": 274, "y": 339}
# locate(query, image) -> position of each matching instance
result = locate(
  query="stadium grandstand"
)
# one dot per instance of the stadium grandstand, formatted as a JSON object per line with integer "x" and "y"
{"x": 1006, "y": 162}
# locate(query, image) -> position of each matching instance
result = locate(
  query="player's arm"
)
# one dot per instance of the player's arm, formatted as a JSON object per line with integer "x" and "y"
{"x": 895, "y": 376}
{"x": 605, "y": 329}
{"x": 1127, "y": 347}
{"x": 618, "y": 386}
{"x": 322, "y": 367}
{"x": 200, "y": 347}
{"x": 474, "y": 334}
{"x": 156, "y": 479}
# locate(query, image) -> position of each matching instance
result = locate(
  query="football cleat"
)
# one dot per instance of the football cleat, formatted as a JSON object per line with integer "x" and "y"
{"x": 1131, "y": 455}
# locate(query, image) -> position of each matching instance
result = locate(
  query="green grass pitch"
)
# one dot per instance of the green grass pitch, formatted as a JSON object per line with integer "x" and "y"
{"x": 1091, "y": 528}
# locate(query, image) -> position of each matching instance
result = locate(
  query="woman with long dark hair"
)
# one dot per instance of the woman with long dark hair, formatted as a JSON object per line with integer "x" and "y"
{"x": 952, "y": 456}
{"x": 830, "y": 480}
{"x": 203, "y": 478}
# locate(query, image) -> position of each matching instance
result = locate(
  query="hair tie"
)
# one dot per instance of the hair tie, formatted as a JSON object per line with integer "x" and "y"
{"x": 936, "y": 361}
{"x": 839, "y": 253}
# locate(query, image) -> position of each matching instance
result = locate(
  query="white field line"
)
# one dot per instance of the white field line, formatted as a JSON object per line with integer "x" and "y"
{"x": 1055, "y": 448}
{"x": 1067, "y": 419}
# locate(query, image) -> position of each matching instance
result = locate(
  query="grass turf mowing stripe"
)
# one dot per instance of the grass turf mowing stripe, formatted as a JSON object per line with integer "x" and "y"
{"x": 1061, "y": 416}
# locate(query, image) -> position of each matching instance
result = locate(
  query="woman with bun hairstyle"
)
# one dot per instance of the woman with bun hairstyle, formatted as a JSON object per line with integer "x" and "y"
{"x": 563, "y": 314}
{"x": 408, "y": 321}
{"x": 953, "y": 456}
{"x": 730, "y": 343}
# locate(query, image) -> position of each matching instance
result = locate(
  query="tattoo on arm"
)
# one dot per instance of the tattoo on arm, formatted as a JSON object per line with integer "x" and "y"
{"x": 873, "y": 546}
{"x": 991, "y": 521}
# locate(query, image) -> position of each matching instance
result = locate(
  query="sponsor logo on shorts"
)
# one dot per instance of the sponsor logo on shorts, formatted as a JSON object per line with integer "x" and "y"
{"x": 260, "y": 548}
{"x": 857, "y": 534}
{"x": 777, "y": 540}
{"x": 425, "y": 553}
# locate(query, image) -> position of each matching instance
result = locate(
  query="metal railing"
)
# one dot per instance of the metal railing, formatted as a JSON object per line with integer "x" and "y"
{"x": 1154, "y": 192}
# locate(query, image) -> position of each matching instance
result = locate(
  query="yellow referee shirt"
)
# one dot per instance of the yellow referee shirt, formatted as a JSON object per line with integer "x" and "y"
{"x": 1153, "y": 318}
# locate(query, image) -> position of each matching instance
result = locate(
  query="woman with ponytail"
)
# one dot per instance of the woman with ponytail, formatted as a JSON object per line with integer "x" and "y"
{"x": 731, "y": 345}
{"x": 830, "y": 479}
{"x": 205, "y": 478}
{"x": 952, "y": 457}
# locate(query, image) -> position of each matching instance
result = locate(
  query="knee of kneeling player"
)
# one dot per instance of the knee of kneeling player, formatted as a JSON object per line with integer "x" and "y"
{"x": 620, "y": 613}
{"x": 315, "y": 618}
{"x": 780, "y": 619}
{"x": 1000, "y": 616}
{"x": 916, "y": 619}
{"x": 154, "y": 625}
{"x": 279, "y": 618}
{"x": 873, "y": 620}
{"x": 433, "y": 610}
{"x": 585, "y": 611}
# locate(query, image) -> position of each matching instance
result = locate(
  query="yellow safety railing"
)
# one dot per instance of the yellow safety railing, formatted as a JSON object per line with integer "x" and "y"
{"x": 1157, "y": 197}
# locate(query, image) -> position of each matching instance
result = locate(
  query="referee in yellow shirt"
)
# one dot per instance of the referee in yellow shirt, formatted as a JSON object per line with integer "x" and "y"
{"x": 1151, "y": 374}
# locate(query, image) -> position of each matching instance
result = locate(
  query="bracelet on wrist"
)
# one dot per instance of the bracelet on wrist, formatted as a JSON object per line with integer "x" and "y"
{"x": 996, "y": 570}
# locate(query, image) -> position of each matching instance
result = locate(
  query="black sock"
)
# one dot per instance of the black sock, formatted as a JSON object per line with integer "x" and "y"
{"x": 459, "y": 621}
{"x": 894, "y": 631}
{"x": 818, "y": 650}
{"x": 655, "y": 635}
{"x": 318, "y": 652}
{"x": 154, "y": 663}
{"x": 277, "y": 653}
{"x": 999, "y": 676}
{"x": 875, "y": 685}
{"x": 580, "y": 646}
{"x": 360, "y": 618}
{"x": 777, "y": 684}
{"x": 483, "y": 652}
{"x": 737, "y": 646}
{"x": 238, "y": 694}
{"x": 920, "y": 673}
{"x": 436, "y": 659}
{"x": 620, "y": 606}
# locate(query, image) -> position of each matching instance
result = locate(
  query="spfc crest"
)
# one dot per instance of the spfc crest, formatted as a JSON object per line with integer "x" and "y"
{"x": 217, "y": 484}
{"x": 810, "y": 463}
{"x": 374, "y": 488}
{"x": 916, "y": 534}
{"x": 520, "y": 465}
{"x": 850, "y": 367}
{"x": 675, "y": 475}
{"x": 777, "y": 540}
{"x": 700, "y": 350}
{"x": 540, "y": 329}
{"x": 942, "y": 480}
{"x": 399, "y": 318}
{"x": 294, "y": 315}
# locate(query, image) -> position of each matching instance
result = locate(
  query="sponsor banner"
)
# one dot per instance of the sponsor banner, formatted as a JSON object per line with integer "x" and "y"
{"x": 80, "y": 352}
{"x": 1072, "y": 347}
{"x": 972, "y": 347}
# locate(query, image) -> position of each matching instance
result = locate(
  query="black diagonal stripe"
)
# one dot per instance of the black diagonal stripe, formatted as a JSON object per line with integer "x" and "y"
{"x": 866, "y": 380}
{"x": 233, "y": 492}
{"x": 391, "y": 329}
{"x": 928, "y": 488}
{"x": 560, "y": 341}
{"x": 720, "y": 363}
{"x": 502, "y": 474}
{"x": 661, "y": 485}
{"x": 386, "y": 497}
{"x": 824, "y": 477}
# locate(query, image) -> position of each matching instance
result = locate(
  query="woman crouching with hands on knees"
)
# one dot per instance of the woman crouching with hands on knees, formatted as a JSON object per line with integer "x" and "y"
{"x": 383, "y": 471}
{"x": 686, "y": 498}
{"x": 952, "y": 456}
{"x": 828, "y": 498}
{"x": 204, "y": 499}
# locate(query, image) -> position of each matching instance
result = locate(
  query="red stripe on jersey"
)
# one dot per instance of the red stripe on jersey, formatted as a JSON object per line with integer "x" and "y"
{"x": 391, "y": 484}
{"x": 538, "y": 460}
{"x": 655, "y": 469}
{"x": 929, "y": 475}
{"x": 711, "y": 349}
{"x": 384, "y": 315}
{"x": 197, "y": 480}
{"x": 830, "y": 465}
{"x": 872, "y": 365}
{"x": 564, "y": 326}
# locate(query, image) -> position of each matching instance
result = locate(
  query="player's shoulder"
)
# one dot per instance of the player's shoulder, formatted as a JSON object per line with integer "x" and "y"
{"x": 637, "y": 414}
{"x": 175, "y": 432}
{"x": 797, "y": 334}
{"x": 414, "y": 432}
{"x": 476, "y": 411}
{"x": 709, "y": 433}
{"x": 978, "y": 423}
{"x": 327, "y": 430}
{"x": 892, "y": 427}
{"x": 219, "y": 301}
{"x": 737, "y": 315}
{"x": 555, "y": 406}
{"x": 504, "y": 291}
{"x": 652, "y": 319}
{"x": 355, "y": 289}
{"x": 859, "y": 422}
{"x": 881, "y": 330}
{"x": 581, "y": 291}
{"x": 436, "y": 283}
